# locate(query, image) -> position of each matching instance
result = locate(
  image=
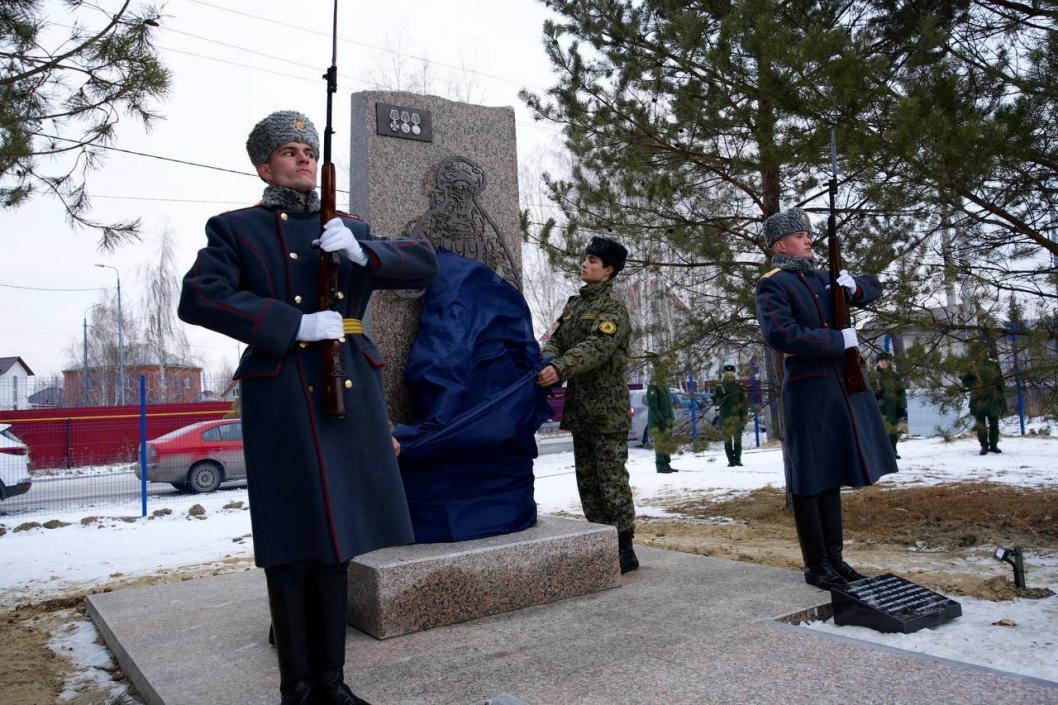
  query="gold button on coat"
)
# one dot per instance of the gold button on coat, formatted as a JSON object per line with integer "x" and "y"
{"x": 340, "y": 296}
{"x": 311, "y": 388}
{"x": 293, "y": 255}
{"x": 282, "y": 216}
{"x": 348, "y": 384}
{"x": 303, "y": 344}
{"x": 297, "y": 299}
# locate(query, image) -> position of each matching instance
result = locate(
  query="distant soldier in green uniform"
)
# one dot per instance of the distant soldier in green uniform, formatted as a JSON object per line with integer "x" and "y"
{"x": 588, "y": 350}
{"x": 660, "y": 418}
{"x": 984, "y": 382}
{"x": 892, "y": 397}
{"x": 730, "y": 400}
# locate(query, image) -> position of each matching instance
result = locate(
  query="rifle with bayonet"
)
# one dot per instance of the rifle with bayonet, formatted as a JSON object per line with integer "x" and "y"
{"x": 854, "y": 379}
{"x": 327, "y": 293}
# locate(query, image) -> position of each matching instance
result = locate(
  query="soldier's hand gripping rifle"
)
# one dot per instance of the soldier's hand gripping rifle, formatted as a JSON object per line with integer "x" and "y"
{"x": 854, "y": 379}
{"x": 333, "y": 377}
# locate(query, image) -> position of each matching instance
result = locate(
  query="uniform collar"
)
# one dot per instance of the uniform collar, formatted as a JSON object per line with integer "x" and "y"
{"x": 590, "y": 291}
{"x": 290, "y": 200}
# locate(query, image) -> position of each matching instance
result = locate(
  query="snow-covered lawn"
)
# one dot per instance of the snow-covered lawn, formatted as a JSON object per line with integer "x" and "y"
{"x": 42, "y": 563}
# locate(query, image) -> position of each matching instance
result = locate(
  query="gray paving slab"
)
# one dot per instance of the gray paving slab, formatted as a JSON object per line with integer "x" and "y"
{"x": 683, "y": 629}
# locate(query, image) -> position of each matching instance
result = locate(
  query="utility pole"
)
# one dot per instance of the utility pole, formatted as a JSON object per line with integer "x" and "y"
{"x": 121, "y": 339}
{"x": 84, "y": 355}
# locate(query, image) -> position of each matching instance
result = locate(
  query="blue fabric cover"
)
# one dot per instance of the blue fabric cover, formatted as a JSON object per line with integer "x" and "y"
{"x": 467, "y": 459}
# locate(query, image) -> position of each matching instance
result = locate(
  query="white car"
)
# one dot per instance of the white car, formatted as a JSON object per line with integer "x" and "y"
{"x": 14, "y": 464}
{"x": 705, "y": 413}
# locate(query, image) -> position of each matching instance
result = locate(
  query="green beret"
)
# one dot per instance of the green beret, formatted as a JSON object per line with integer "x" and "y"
{"x": 276, "y": 130}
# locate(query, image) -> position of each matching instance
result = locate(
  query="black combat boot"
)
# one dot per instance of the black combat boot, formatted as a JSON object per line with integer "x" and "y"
{"x": 829, "y": 504}
{"x": 327, "y": 616}
{"x": 817, "y": 570}
{"x": 984, "y": 450}
{"x": 994, "y": 449}
{"x": 625, "y": 554}
{"x": 287, "y": 604}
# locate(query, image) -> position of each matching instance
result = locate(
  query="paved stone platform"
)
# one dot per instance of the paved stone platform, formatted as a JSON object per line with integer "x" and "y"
{"x": 683, "y": 630}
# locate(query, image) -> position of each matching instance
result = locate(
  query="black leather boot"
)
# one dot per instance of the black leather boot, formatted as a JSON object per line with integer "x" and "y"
{"x": 829, "y": 504}
{"x": 817, "y": 570}
{"x": 327, "y": 618}
{"x": 823, "y": 576}
{"x": 625, "y": 553}
{"x": 287, "y": 604}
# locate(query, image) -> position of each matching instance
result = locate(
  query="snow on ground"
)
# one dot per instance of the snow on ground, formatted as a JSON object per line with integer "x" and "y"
{"x": 1026, "y": 461}
{"x": 1026, "y": 644}
{"x": 86, "y": 471}
{"x": 43, "y": 563}
{"x": 79, "y": 642}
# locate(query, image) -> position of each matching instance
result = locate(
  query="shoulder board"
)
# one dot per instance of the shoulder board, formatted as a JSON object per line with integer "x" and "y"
{"x": 351, "y": 216}
{"x": 244, "y": 208}
{"x": 774, "y": 271}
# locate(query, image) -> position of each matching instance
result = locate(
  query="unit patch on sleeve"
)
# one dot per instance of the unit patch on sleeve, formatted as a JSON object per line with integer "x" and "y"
{"x": 608, "y": 327}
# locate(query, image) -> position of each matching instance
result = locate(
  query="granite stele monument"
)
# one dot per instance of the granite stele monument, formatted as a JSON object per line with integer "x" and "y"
{"x": 460, "y": 370}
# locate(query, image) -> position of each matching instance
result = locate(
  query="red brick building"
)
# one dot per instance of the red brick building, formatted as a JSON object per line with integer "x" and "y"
{"x": 98, "y": 386}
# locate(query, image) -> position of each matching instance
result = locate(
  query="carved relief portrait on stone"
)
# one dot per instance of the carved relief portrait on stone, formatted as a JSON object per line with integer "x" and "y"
{"x": 457, "y": 222}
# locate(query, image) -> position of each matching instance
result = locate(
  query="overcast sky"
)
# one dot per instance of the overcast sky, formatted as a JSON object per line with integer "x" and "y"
{"x": 230, "y": 69}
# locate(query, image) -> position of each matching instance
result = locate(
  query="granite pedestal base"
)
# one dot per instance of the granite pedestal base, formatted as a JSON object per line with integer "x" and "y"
{"x": 407, "y": 589}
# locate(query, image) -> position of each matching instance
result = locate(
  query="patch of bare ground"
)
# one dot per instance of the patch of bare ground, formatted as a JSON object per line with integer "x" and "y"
{"x": 33, "y": 674}
{"x": 940, "y": 536}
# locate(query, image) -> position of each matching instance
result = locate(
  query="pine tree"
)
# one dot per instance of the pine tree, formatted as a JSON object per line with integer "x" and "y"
{"x": 690, "y": 122}
{"x": 60, "y": 98}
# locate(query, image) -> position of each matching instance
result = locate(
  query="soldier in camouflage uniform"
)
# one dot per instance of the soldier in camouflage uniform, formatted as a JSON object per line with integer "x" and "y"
{"x": 984, "y": 382}
{"x": 730, "y": 399}
{"x": 660, "y": 418}
{"x": 892, "y": 397}
{"x": 588, "y": 350}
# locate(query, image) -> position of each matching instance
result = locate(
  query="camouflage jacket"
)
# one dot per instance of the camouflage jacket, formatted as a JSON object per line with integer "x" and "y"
{"x": 891, "y": 395}
{"x": 984, "y": 382}
{"x": 659, "y": 406}
{"x": 730, "y": 399}
{"x": 589, "y": 347}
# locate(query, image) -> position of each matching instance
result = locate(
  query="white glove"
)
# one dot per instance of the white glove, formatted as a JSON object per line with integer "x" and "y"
{"x": 849, "y": 334}
{"x": 847, "y": 281}
{"x": 325, "y": 325}
{"x": 338, "y": 238}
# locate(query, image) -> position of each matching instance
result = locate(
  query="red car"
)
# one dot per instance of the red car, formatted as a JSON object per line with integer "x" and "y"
{"x": 197, "y": 458}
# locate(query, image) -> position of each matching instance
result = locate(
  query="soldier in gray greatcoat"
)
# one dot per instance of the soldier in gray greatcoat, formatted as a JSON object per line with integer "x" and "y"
{"x": 322, "y": 489}
{"x": 832, "y": 438}
{"x": 588, "y": 349}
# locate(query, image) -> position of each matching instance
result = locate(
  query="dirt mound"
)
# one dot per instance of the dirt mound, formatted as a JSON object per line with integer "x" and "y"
{"x": 939, "y": 536}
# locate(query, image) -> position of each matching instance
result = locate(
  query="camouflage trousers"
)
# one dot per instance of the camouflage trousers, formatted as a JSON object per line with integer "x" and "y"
{"x": 602, "y": 478}
{"x": 731, "y": 429}
{"x": 987, "y": 428}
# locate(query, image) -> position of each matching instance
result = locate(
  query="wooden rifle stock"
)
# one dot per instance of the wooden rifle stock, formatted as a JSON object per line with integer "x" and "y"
{"x": 333, "y": 393}
{"x": 854, "y": 379}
